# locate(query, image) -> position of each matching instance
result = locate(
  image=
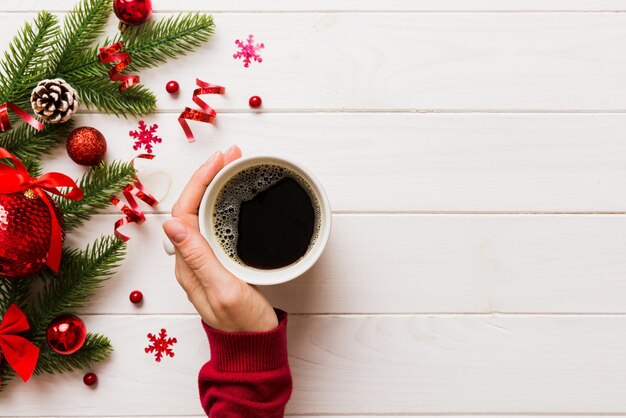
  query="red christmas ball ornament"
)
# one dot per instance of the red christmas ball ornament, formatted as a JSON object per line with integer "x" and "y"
{"x": 132, "y": 12}
{"x": 136, "y": 296}
{"x": 25, "y": 233}
{"x": 255, "y": 102}
{"x": 66, "y": 334}
{"x": 90, "y": 379}
{"x": 172, "y": 86}
{"x": 86, "y": 146}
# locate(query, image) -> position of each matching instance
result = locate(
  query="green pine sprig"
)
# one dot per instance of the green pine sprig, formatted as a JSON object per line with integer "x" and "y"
{"x": 26, "y": 60}
{"x": 98, "y": 184}
{"x": 26, "y": 142}
{"x": 95, "y": 349}
{"x": 81, "y": 273}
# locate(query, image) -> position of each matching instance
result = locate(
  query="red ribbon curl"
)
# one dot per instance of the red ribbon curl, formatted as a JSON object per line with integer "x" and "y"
{"x": 132, "y": 212}
{"x": 5, "y": 123}
{"x": 206, "y": 115}
{"x": 17, "y": 179}
{"x": 112, "y": 53}
{"x": 20, "y": 353}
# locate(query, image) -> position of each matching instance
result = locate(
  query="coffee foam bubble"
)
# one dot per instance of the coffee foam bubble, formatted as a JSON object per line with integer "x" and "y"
{"x": 244, "y": 186}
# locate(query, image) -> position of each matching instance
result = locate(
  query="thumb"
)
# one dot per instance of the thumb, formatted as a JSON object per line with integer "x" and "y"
{"x": 194, "y": 250}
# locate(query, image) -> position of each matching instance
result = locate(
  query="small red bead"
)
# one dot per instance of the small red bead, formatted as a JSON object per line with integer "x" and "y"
{"x": 172, "y": 87}
{"x": 90, "y": 379}
{"x": 136, "y": 296}
{"x": 255, "y": 101}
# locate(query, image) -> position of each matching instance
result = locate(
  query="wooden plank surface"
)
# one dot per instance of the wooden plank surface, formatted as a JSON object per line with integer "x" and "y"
{"x": 408, "y": 62}
{"x": 351, "y": 6}
{"x": 414, "y": 264}
{"x": 405, "y": 162}
{"x": 367, "y": 365}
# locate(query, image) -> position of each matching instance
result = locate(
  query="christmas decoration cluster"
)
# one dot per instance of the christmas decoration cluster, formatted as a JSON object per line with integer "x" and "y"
{"x": 53, "y": 66}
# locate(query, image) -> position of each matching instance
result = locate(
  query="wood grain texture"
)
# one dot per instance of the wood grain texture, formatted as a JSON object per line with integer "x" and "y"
{"x": 366, "y": 365}
{"x": 414, "y": 264}
{"x": 405, "y": 162}
{"x": 409, "y": 62}
{"x": 349, "y": 5}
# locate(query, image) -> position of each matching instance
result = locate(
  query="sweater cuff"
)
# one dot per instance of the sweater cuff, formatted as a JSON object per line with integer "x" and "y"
{"x": 249, "y": 351}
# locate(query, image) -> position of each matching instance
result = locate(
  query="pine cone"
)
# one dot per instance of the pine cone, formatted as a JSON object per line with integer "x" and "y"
{"x": 54, "y": 100}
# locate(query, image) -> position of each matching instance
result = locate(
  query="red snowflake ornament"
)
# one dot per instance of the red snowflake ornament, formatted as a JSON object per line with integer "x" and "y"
{"x": 248, "y": 51}
{"x": 145, "y": 137}
{"x": 160, "y": 345}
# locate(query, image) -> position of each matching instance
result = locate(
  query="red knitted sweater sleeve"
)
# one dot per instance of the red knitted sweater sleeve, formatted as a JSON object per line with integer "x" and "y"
{"x": 248, "y": 374}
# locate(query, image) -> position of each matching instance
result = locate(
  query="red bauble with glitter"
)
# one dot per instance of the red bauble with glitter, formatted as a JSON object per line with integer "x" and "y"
{"x": 132, "y": 12}
{"x": 255, "y": 102}
{"x": 86, "y": 146}
{"x": 66, "y": 334}
{"x": 172, "y": 86}
{"x": 25, "y": 233}
{"x": 90, "y": 379}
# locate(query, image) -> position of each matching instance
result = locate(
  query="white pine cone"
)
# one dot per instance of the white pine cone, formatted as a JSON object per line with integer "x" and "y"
{"x": 54, "y": 100}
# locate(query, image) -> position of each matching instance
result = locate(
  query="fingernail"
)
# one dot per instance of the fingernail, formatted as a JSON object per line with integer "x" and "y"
{"x": 229, "y": 150}
{"x": 212, "y": 158}
{"x": 175, "y": 230}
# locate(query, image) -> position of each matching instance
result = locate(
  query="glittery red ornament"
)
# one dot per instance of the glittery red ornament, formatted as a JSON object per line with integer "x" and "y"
{"x": 255, "y": 102}
{"x": 25, "y": 232}
{"x": 132, "y": 12}
{"x": 172, "y": 86}
{"x": 66, "y": 334}
{"x": 86, "y": 146}
{"x": 90, "y": 379}
{"x": 136, "y": 296}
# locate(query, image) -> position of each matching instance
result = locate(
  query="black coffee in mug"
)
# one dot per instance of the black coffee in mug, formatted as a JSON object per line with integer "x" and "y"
{"x": 266, "y": 217}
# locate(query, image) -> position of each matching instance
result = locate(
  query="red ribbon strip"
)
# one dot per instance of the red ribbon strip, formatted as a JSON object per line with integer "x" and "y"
{"x": 132, "y": 212}
{"x": 20, "y": 353}
{"x": 112, "y": 53}
{"x": 206, "y": 115}
{"x": 5, "y": 123}
{"x": 13, "y": 180}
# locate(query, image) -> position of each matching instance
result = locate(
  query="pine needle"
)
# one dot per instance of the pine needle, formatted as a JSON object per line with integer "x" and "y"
{"x": 80, "y": 275}
{"x": 98, "y": 184}
{"x": 95, "y": 349}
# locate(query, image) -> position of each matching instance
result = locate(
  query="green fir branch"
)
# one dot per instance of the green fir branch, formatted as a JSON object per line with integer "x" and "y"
{"x": 95, "y": 349}
{"x": 81, "y": 28}
{"x": 14, "y": 291}
{"x": 80, "y": 275}
{"x": 26, "y": 61}
{"x": 171, "y": 37}
{"x": 151, "y": 43}
{"x": 98, "y": 184}
{"x": 26, "y": 142}
{"x": 102, "y": 94}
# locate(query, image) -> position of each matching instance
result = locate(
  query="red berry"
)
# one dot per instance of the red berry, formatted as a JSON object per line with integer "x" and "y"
{"x": 136, "y": 296}
{"x": 90, "y": 379}
{"x": 172, "y": 87}
{"x": 255, "y": 101}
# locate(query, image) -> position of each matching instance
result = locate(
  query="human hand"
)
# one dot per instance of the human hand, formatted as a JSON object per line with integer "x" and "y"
{"x": 223, "y": 301}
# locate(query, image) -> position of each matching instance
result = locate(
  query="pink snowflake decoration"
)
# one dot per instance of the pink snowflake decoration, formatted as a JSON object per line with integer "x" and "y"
{"x": 248, "y": 51}
{"x": 145, "y": 137}
{"x": 160, "y": 345}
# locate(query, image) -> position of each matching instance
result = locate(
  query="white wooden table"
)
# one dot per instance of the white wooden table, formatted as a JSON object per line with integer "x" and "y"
{"x": 475, "y": 156}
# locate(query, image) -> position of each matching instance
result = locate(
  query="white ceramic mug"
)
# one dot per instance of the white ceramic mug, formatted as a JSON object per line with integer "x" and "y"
{"x": 250, "y": 274}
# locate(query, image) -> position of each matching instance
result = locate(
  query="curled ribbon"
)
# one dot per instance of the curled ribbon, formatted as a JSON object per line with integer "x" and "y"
{"x": 112, "y": 53}
{"x": 20, "y": 353}
{"x": 17, "y": 179}
{"x": 5, "y": 123}
{"x": 206, "y": 115}
{"x": 132, "y": 212}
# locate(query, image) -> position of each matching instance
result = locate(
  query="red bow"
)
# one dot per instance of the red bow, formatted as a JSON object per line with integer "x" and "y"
{"x": 13, "y": 180}
{"x": 20, "y": 353}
